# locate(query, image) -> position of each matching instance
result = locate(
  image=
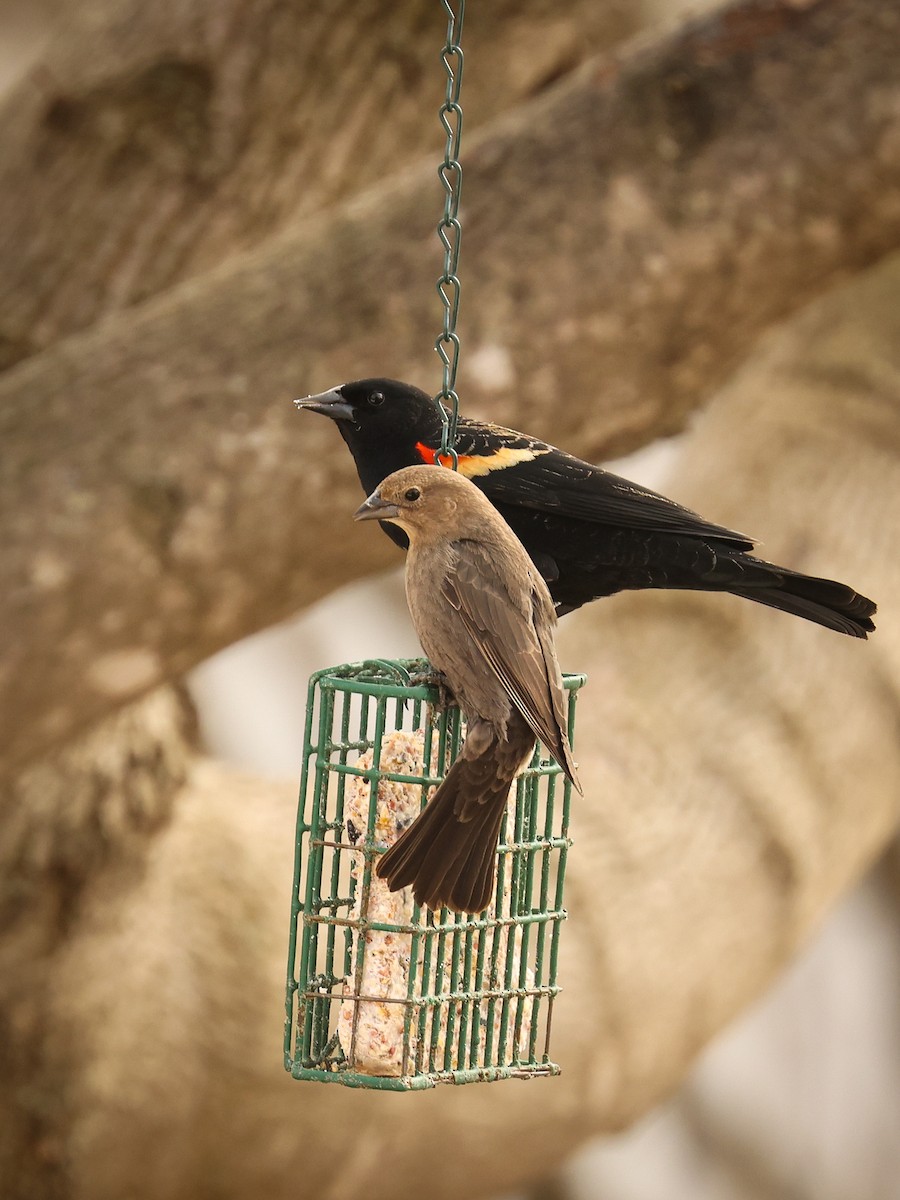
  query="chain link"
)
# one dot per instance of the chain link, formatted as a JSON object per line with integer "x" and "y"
{"x": 449, "y": 229}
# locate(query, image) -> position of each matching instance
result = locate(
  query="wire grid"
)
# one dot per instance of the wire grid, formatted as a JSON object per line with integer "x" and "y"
{"x": 475, "y": 994}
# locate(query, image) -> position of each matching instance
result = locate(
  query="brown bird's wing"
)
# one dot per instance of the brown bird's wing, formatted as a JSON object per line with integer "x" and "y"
{"x": 517, "y": 644}
{"x": 545, "y": 626}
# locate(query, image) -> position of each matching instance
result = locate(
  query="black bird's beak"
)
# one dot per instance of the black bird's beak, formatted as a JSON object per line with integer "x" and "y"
{"x": 329, "y": 404}
{"x": 376, "y": 509}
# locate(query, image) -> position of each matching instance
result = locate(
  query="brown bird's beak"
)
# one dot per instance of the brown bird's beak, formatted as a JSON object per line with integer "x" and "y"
{"x": 376, "y": 509}
{"x": 329, "y": 404}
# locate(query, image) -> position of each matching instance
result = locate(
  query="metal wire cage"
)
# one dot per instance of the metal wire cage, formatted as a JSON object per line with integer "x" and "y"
{"x": 381, "y": 993}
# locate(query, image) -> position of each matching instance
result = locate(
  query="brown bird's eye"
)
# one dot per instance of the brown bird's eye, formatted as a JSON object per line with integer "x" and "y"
{"x": 376, "y": 399}
{"x": 412, "y": 494}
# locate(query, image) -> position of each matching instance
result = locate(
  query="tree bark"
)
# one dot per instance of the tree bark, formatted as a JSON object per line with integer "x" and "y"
{"x": 154, "y": 140}
{"x": 632, "y": 231}
{"x": 85, "y": 814}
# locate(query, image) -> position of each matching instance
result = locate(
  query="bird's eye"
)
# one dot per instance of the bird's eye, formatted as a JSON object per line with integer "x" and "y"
{"x": 411, "y": 494}
{"x": 376, "y": 399}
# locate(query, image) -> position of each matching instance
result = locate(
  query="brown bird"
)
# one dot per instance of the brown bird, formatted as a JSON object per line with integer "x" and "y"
{"x": 486, "y": 622}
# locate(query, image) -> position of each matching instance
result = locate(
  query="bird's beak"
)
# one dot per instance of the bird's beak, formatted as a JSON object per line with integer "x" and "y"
{"x": 329, "y": 404}
{"x": 376, "y": 509}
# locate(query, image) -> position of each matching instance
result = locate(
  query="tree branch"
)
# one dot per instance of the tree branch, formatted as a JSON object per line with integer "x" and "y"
{"x": 631, "y": 231}
{"x": 155, "y": 140}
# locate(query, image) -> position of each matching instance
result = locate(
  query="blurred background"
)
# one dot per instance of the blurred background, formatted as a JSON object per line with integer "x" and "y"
{"x": 799, "y": 1097}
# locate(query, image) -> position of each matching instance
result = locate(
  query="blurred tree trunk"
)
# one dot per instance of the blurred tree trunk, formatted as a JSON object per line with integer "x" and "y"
{"x": 632, "y": 230}
{"x": 154, "y": 140}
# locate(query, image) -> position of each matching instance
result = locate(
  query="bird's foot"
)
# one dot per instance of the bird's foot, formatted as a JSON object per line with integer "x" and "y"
{"x": 436, "y": 680}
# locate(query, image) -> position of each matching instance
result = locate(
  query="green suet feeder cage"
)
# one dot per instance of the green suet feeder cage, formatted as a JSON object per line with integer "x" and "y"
{"x": 383, "y": 994}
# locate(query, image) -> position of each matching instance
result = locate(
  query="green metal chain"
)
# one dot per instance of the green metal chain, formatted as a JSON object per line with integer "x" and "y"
{"x": 449, "y": 229}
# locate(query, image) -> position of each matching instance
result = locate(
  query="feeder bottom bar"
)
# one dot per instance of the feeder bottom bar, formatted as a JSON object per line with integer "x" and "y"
{"x": 419, "y": 1083}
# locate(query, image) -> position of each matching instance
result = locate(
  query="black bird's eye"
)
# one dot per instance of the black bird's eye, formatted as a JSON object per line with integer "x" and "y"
{"x": 376, "y": 399}
{"x": 411, "y": 494}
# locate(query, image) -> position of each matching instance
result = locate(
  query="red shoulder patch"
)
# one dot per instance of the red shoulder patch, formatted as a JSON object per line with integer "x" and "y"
{"x": 473, "y": 465}
{"x": 434, "y": 458}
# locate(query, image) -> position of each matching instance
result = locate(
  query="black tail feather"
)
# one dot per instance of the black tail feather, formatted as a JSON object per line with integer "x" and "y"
{"x": 825, "y": 601}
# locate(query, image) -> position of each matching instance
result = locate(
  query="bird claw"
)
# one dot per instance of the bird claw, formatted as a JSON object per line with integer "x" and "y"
{"x": 437, "y": 681}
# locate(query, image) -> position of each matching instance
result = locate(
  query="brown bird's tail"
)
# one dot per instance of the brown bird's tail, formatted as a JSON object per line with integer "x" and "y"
{"x": 449, "y": 851}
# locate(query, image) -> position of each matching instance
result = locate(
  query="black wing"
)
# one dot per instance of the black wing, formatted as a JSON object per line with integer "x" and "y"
{"x": 511, "y": 468}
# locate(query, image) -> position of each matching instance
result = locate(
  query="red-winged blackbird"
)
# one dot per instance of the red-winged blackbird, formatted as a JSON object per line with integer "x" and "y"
{"x": 486, "y": 621}
{"x": 589, "y": 532}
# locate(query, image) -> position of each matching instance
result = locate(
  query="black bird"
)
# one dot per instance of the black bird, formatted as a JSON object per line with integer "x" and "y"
{"x": 590, "y": 533}
{"x": 486, "y": 621}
